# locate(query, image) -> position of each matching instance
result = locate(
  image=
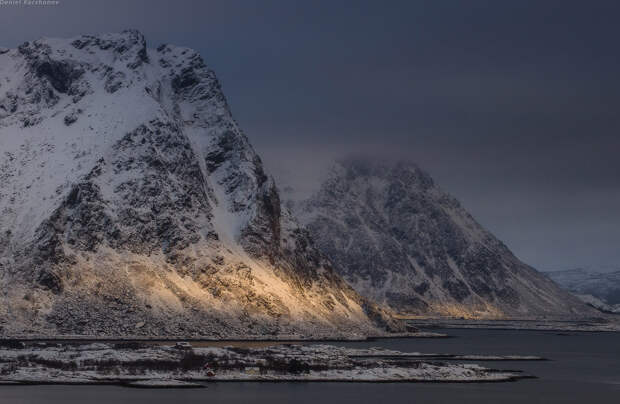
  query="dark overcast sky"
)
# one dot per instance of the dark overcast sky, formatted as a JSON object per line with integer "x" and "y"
{"x": 513, "y": 106}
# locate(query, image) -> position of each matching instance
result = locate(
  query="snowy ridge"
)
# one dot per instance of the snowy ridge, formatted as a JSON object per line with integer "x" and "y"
{"x": 601, "y": 285}
{"x": 132, "y": 204}
{"x": 399, "y": 239}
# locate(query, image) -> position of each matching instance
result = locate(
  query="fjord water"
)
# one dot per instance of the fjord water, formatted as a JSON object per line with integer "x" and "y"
{"x": 583, "y": 368}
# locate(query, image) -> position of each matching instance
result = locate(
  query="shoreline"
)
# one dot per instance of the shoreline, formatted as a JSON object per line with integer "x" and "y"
{"x": 156, "y": 339}
{"x": 192, "y": 383}
{"x": 517, "y": 325}
{"x": 425, "y": 326}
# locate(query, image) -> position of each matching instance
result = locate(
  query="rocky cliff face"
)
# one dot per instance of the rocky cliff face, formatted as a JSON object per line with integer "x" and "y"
{"x": 132, "y": 204}
{"x": 399, "y": 239}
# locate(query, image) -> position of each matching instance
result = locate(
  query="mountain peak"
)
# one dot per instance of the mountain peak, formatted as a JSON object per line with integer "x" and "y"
{"x": 399, "y": 239}
{"x": 129, "y": 195}
{"x": 367, "y": 168}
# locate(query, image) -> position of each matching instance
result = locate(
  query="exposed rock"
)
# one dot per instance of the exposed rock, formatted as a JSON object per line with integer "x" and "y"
{"x": 60, "y": 74}
{"x": 72, "y": 117}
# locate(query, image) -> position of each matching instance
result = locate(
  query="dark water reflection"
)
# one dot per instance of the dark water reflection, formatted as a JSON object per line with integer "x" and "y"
{"x": 584, "y": 368}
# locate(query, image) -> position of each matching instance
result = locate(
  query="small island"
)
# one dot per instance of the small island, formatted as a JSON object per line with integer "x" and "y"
{"x": 150, "y": 365}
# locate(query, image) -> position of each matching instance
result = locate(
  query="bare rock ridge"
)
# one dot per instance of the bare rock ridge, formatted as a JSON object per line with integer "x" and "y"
{"x": 399, "y": 239}
{"x": 131, "y": 203}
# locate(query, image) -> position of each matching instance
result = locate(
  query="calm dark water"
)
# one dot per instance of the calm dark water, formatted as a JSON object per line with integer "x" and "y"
{"x": 584, "y": 368}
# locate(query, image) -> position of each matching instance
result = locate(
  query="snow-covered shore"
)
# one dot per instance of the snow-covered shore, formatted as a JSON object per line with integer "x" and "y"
{"x": 181, "y": 365}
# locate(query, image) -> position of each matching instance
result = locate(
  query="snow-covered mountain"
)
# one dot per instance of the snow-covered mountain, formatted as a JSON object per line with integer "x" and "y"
{"x": 599, "y": 304}
{"x": 401, "y": 240}
{"x": 602, "y": 285}
{"x": 131, "y": 203}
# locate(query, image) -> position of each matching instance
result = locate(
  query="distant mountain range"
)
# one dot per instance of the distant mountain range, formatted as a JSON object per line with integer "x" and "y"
{"x": 604, "y": 286}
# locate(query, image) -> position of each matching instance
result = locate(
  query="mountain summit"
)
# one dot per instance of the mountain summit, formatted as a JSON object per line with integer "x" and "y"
{"x": 399, "y": 239}
{"x": 132, "y": 204}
